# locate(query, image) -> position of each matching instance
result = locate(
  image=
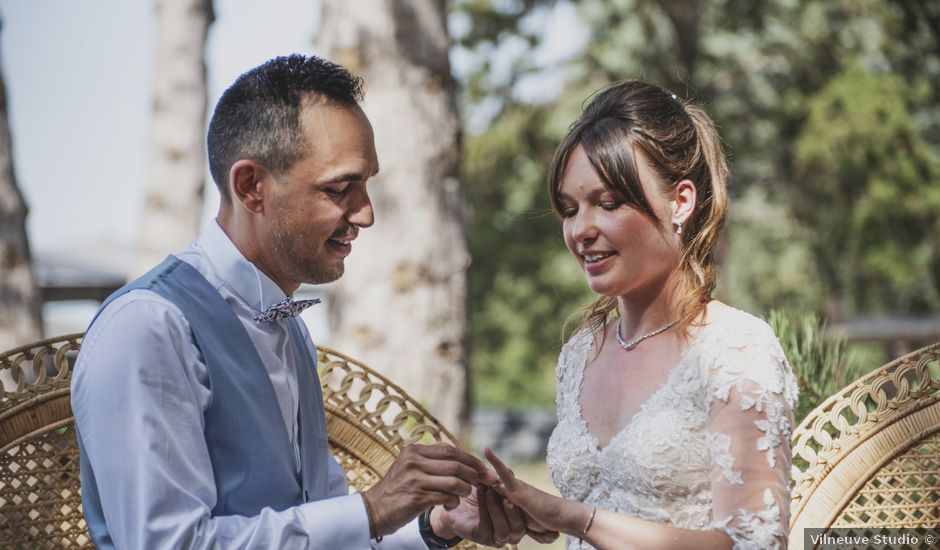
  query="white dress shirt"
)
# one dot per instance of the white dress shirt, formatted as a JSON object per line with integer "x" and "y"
{"x": 139, "y": 395}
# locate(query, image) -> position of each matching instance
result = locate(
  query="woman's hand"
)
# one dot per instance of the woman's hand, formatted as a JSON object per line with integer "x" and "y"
{"x": 480, "y": 517}
{"x": 548, "y": 512}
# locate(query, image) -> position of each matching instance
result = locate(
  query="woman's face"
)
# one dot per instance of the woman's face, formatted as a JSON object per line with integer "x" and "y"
{"x": 621, "y": 251}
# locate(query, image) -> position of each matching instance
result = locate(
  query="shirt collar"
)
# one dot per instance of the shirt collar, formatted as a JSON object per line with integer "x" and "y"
{"x": 240, "y": 275}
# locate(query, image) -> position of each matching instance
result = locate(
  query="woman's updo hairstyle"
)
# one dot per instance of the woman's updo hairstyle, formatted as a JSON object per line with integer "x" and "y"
{"x": 680, "y": 142}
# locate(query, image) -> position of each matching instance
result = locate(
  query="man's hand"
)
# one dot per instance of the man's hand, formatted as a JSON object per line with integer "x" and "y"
{"x": 423, "y": 476}
{"x": 550, "y": 513}
{"x": 485, "y": 517}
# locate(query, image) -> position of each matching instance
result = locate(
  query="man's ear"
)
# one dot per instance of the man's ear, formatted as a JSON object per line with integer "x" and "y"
{"x": 246, "y": 181}
{"x": 683, "y": 201}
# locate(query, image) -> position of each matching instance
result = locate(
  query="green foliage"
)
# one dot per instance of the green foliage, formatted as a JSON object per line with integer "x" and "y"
{"x": 768, "y": 260}
{"x": 820, "y": 364}
{"x": 833, "y": 135}
{"x": 860, "y": 152}
{"x": 523, "y": 281}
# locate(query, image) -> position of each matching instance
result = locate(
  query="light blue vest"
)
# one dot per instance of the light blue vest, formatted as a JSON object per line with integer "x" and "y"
{"x": 250, "y": 449}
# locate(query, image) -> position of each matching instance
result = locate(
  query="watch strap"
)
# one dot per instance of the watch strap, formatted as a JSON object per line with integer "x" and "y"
{"x": 428, "y": 535}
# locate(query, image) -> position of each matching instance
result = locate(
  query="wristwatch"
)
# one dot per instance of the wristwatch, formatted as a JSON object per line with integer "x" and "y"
{"x": 427, "y": 534}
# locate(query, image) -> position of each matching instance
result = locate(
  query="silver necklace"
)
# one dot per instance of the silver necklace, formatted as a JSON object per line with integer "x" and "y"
{"x": 636, "y": 341}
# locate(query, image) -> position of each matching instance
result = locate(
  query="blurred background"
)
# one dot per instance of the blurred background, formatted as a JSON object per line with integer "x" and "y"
{"x": 829, "y": 110}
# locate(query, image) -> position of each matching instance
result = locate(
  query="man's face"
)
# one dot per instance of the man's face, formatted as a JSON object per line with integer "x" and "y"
{"x": 318, "y": 206}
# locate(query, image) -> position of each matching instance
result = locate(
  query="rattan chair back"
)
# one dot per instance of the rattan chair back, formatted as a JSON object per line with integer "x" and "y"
{"x": 869, "y": 456}
{"x": 40, "y": 495}
{"x": 369, "y": 419}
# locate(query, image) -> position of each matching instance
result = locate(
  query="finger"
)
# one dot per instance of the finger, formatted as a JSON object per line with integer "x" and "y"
{"x": 444, "y": 485}
{"x": 497, "y": 517}
{"x": 445, "y": 500}
{"x": 533, "y": 524}
{"x": 448, "y": 468}
{"x": 503, "y": 471}
{"x": 488, "y": 477}
{"x": 486, "y": 523}
{"x": 451, "y": 502}
{"x": 543, "y": 537}
{"x": 517, "y": 527}
{"x": 475, "y": 496}
{"x": 450, "y": 453}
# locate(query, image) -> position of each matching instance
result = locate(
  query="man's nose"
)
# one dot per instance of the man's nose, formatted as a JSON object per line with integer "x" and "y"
{"x": 361, "y": 213}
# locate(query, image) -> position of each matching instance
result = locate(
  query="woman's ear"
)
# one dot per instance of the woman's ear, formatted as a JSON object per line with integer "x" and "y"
{"x": 683, "y": 202}
{"x": 245, "y": 183}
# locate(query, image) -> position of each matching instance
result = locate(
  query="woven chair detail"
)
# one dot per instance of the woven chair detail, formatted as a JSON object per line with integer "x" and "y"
{"x": 869, "y": 456}
{"x": 40, "y": 493}
{"x": 369, "y": 418}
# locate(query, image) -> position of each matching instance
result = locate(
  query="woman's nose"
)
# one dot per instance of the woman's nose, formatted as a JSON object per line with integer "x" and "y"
{"x": 584, "y": 228}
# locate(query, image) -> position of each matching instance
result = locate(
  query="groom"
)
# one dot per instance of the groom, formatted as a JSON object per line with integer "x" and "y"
{"x": 195, "y": 395}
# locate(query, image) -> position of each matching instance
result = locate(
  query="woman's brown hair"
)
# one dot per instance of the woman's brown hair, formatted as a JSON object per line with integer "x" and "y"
{"x": 680, "y": 142}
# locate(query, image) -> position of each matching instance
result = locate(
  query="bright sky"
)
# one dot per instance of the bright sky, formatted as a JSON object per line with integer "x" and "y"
{"x": 78, "y": 76}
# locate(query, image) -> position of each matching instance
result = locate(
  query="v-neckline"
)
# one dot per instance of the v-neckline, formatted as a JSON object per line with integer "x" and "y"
{"x": 594, "y": 441}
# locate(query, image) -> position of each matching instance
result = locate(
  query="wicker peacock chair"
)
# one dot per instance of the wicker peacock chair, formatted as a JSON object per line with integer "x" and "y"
{"x": 869, "y": 457}
{"x": 369, "y": 419}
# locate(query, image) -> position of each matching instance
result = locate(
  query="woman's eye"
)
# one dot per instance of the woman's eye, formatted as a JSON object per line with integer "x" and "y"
{"x": 611, "y": 205}
{"x": 568, "y": 212}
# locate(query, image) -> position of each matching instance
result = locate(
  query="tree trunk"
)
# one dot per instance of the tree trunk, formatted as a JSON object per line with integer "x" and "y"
{"x": 401, "y": 305}
{"x": 173, "y": 207}
{"x": 20, "y": 303}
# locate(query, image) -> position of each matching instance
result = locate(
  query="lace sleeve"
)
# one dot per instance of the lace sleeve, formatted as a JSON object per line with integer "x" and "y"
{"x": 751, "y": 396}
{"x": 573, "y": 350}
{"x": 560, "y": 368}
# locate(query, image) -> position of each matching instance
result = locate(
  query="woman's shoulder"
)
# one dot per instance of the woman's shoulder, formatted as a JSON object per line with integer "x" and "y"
{"x": 736, "y": 327}
{"x": 738, "y": 345}
{"x": 582, "y": 340}
{"x": 577, "y": 347}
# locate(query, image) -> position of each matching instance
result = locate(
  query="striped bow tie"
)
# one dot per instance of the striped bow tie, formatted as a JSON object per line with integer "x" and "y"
{"x": 285, "y": 308}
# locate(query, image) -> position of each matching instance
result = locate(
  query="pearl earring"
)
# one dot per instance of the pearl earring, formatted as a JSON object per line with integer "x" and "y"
{"x": 678, "y": 228}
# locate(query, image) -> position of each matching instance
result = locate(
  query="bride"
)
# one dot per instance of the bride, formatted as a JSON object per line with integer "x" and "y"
{"x": 674, "y": 410}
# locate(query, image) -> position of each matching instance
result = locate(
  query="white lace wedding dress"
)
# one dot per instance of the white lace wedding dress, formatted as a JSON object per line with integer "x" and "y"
{"x": 709, "y": 449}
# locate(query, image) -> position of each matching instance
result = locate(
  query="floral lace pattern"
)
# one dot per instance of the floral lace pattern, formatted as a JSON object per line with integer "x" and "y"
{"x": 720, "y": 447}
{"x": 709, "y": 449}
{"x": 756, "y": 530}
